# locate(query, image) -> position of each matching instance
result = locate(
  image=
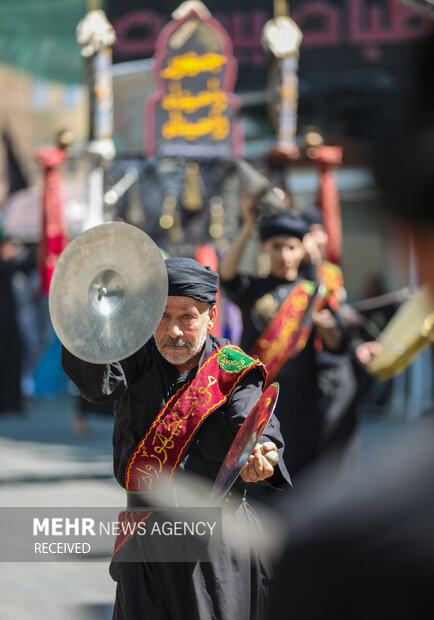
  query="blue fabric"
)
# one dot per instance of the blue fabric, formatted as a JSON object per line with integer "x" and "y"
{"x": 49, "y": 377}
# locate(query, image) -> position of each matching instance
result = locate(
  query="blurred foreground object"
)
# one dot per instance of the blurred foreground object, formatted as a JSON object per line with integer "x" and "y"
{"x": 195, "y": 495}
{"x": 406, "y": 335}
{"x": 365, "y": 548}
{"x": 404, "y": 163}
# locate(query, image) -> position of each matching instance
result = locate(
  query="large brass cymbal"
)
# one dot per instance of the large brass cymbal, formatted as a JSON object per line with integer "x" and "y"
{"x": 108, "y": 292}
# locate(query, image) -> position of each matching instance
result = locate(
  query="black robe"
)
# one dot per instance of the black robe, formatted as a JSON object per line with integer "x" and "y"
{"x": 232, "y": 585}
{"x": 10, "y": 342}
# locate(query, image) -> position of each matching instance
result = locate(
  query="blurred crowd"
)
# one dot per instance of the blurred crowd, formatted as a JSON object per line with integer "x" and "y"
{"x": 23, "y": 324}
{"x": 26, "y": 333}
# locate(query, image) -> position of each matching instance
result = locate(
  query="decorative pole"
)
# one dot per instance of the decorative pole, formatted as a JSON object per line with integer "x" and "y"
{"x": 96, "y": 35}
{"x": 282, "y": 37}
{"x": 326, "y": 158}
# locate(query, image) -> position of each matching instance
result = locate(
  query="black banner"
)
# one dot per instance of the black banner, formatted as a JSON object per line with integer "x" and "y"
{"x": 339, "y": 37}
{"x": 194, "y": 112}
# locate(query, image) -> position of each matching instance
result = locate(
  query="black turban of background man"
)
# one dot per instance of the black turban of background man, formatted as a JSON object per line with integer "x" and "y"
{"x": 282, "y": 224}
{"x": 188, "y": 278}
{"x": 313, "y": 215}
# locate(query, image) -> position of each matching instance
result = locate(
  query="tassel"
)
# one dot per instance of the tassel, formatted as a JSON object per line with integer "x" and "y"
{"x": 192, "y": 198}
{"x": 170, "y": 218}
{"x": 216, "y": 218}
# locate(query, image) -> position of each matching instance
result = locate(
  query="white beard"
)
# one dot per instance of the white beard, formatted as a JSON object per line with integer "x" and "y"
{"x": 193, "y": 349}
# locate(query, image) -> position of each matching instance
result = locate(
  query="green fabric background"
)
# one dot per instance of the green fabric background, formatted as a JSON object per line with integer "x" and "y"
{"x": 38, "y": 36}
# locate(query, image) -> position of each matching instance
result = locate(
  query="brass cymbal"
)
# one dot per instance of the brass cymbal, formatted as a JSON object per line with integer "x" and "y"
{"x": 108, "y": 292}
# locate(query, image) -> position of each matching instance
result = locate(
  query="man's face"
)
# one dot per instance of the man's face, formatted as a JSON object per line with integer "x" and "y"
{"x": 182, "y": 330}
{"x": 285, "y": 254}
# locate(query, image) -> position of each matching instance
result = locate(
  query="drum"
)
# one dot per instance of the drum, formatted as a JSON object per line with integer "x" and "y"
{"x": 406, "y": 335}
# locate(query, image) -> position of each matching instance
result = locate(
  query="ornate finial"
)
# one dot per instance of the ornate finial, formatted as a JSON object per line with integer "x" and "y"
{"x": 192, "y": 198}
{"x": 94, "y": 32}
{"x": 190, "y": 5}
{"x": 282, "y": 36}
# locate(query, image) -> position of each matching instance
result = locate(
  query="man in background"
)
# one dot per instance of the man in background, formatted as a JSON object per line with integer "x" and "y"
{"x": 274, "y": 326}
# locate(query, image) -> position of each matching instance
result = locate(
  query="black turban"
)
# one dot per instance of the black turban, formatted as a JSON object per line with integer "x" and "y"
{"x": 313, "y": 215}
{"x": 188, "y": 278}
{"x": 282, "y": 224}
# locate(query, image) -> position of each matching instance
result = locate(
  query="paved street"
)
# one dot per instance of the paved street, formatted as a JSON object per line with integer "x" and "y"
{"x": 44, "y": 462}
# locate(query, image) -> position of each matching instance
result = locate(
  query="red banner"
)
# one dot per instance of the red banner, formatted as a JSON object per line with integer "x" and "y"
{"x": 54, "y": 237}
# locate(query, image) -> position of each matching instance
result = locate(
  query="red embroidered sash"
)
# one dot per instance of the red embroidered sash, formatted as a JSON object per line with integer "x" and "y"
{"x": 282, "y": 338}
{"x": 167, "y": 440}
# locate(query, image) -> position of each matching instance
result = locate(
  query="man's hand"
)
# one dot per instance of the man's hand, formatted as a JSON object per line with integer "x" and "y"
{"x": 231, "y": 258}
{"x": 366, "y": 351}
{"x": 249, "y": 210}
{"x": 260, "y": 464}
{"x": 311, "y": 249}
{"x": 328, "y": 329}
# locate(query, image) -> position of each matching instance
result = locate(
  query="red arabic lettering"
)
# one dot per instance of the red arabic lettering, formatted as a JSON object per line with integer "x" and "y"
{"x": 149, "y": 22}
{"x": 328, "y": 34}
{"x": 374, "y": 24}
{"x": 246, "y": 31}
{"x": 356, "y": 22}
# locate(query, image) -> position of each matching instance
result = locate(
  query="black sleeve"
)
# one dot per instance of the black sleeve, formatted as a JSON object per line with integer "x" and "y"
{"x": 241, "y": 401}
{"x": 237, "y": 289}
{"x": 345, "y": 342}
{"x": 307, "y": 271}
{"x": 99, "y": 382}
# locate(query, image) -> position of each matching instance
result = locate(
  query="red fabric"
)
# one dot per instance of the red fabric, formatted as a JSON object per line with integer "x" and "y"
{"x": 54, "y": 238}
{"x": 172, "y": 430}
{"x": 328, "y": 198}
{"x": 206, "y": 255}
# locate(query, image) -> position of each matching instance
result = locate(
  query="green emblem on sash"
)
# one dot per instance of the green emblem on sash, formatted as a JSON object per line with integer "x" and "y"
{"x": 233, "y": 359}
